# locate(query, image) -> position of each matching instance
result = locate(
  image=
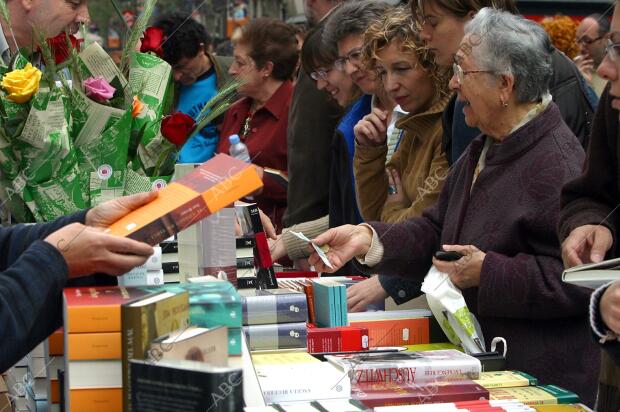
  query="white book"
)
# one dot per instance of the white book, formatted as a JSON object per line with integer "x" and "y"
{"x": 302, "y": 382}
{"x": 37, "y": 367}
{"x": 390, "y": 314}
{"x": 94, "y": 374}
{"x": 139, "y": 276}
{"x": 593, "y": 275}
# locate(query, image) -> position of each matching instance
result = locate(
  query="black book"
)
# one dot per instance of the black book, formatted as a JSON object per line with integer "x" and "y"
{"x": 170, "y": 267}
{"x": 244, "y": 242}
{"x": 245, "y": 262}
{"x": 247, "y": 282}
{"x": 188, "y": 386}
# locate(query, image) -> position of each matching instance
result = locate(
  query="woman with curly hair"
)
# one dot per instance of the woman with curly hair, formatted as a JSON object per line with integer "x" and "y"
{"x": 412, "y": 179}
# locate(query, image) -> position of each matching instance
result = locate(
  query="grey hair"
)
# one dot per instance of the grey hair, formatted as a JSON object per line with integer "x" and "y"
{"x": 352, "y": 17}
{"x": 509, "y": 44}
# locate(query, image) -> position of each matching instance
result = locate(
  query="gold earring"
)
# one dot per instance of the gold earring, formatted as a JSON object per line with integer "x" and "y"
{"x": 504, "y": 104}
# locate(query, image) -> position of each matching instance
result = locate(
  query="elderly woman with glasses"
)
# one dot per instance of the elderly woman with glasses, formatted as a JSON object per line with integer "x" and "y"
{"x": 265, "y": 58}
{"x": 589, "y": 225}
{"x": 499, "y": 208}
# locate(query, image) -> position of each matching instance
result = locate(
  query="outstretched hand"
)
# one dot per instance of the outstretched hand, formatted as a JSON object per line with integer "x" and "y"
{"x": 345, "y": 242}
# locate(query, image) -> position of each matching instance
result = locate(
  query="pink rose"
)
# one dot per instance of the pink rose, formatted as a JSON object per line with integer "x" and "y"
{"x": 98, "y": 89}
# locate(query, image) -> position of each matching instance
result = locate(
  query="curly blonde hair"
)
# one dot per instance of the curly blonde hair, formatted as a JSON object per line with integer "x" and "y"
{"x": 562, "y": 31}
{"x": 398, "y": 25}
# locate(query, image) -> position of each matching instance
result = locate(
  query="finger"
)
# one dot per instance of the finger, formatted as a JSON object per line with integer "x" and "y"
{"x": 464, "y": 250}
{"x": 270, "y": 230}
{"x": 324, "y": 238}
{"x": 359, "y": 306}
{"x": 121, "y": 264}
{"x": 378, "y": 123}
{"x": 125, "y": 245}
{"x": 381, "y": 114}
{"x": 445, "y": 267}
{"x": 396, "y": 179}
{"x": 599, "y": 247}
{"x": 135, "y": 201}
{"x": 390, "y": 178}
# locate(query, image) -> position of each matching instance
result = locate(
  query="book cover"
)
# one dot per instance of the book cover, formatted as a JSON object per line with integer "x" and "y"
{"x": 302, "y": 382}
{"x": 279, "y": 176}
{"x": 96, "y": 309}
{"x": 208, "y": 188}
{"x": 192, "y": 343}
{"x": 96, "y": 400}
{"x": 325, "y": 303}
{"x": 276, "y": 336}
{"x": 395, "y": 332}
{"x": 535, "y": 395}
{"x": 247, "y": 282}
{"x": 338, "y": 339}
{"x": 185, "y": 386}
{"x": 144, "y": 320}
{"x": 54, "y": 343}
{"x": 94, "y": 346}
{"x": 408, "y": 367}
{"x": 262, "y": 307}
{"x": 393, "y": 393}
{"x": 506, "y": 379}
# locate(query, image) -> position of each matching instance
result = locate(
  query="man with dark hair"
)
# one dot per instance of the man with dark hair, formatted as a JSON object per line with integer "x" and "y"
{"x": 313, "y": 117}
{"x": 198, "y": 75}
{"x": 591, "y": 35}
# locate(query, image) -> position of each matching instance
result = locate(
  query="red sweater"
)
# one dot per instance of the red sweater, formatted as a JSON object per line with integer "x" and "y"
{"x": 266, "y": 142}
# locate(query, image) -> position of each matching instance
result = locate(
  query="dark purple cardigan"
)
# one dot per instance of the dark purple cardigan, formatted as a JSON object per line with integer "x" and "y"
{"x": 511, "y": 214}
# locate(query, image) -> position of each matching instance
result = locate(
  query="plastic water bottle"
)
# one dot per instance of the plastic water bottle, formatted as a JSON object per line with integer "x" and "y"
{"x": 238, "y": 149}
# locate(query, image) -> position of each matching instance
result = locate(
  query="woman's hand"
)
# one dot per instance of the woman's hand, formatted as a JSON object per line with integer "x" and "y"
{"x": 586, "y": 244}
{"x": 277, "y": 248}
{"x": 365, "y": 293}
{"x": 345, "y": 242}
{"x": 103, "y": 215}
{"x": 465, "y": 272}
{"x": 396, "y": 193}
{"x": 372, "y": 129}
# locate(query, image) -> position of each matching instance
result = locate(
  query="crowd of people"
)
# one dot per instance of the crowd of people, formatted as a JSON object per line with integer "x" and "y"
{"x": 404, "y": 130}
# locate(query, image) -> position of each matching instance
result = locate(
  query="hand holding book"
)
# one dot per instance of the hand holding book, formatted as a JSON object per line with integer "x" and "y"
{"x": 345, "y": 243}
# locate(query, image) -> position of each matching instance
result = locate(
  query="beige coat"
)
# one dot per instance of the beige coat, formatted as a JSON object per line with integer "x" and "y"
{"x": 419, "y": 160}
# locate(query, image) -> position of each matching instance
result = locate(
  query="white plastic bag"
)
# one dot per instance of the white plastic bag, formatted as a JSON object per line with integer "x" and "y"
{"x": 448, "y": 305}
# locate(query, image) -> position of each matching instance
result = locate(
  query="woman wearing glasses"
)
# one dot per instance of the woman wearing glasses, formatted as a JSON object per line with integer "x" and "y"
{"x": 499, "y": 208}
{"x": 396, "y": 189}
{"x": 589, "y": 220}
{"x": 265, "y": 58}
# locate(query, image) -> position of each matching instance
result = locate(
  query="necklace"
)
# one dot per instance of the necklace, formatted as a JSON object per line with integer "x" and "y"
{"x": 245, "y": 130}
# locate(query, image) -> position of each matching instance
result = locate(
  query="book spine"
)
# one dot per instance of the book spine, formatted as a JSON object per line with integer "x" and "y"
{"x": 170, "y": 267}
{"x": 276, "y": 336}
{"x": 266, "y": 309}
{"x": 396, "y": 332}
{"x": 248, "y": 282}
{"x": 309, "y": 290}
{"x": 131, "y": 321}
{"x": 413, "y": 372}
{"x": 94, "y": 346}
{"x": 245, "y": 263}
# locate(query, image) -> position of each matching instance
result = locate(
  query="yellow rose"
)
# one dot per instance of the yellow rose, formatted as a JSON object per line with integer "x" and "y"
{"x": 22, "y": 84}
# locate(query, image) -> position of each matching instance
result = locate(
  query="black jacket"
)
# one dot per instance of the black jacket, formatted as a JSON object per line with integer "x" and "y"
{"x": 568, "y": 91}
{"x": 32, "y": 276}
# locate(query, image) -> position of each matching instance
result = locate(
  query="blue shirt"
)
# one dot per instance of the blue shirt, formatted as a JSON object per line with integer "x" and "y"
{"x": 192, "y": 99}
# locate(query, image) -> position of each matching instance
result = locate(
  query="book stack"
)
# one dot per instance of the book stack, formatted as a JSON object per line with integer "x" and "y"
{"x": 303, "y": 285}
{"x": 16, "y": 380}
{"x": 219, "y": 245}
{"x": 36, "y": 390}
{"x": 149, "y": 273}
{"x": 93, "y": 377}
{"x": 275, "y": 318}
{"x": 144, "y": 320}
{"x": 5, "y": 398}
{"x": 245, "y": 261}
{"x": 485, "y": 406}
{"x": 395, "y": 327}
{"x": 55, "y": 362}
{"x": 330, "y": 303}
{"x": 339, "y": 339}
{"x": 212, "y": 304}
{"x": 170, "y": 260}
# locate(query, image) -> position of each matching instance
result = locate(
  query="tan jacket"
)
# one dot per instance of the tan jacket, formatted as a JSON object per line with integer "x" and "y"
{"x": 419, "y": 160}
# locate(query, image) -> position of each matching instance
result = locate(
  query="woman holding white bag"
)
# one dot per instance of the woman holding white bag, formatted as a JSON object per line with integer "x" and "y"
{"x": 499, "y": 208}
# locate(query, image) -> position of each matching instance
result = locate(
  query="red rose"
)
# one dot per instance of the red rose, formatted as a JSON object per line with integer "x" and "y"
{"x": 177, "y": 127}
{"x": 60, "y": 48}
{"x": 151, "y": 41}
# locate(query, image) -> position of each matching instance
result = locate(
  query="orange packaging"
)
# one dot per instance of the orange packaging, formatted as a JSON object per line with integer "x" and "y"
{"x": 96, "y": 400}
{"x": 395, "y": 332}
{"x": 208, "y": 188}
{"x": 55, "y": 391}
{"x": 55, "y": 343}
{"x": 94, "y": 346}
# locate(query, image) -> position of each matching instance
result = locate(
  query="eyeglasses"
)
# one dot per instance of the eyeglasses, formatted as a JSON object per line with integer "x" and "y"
{"x": 460, "y": 73}
{"x": 354, "y": 56}
{"x": 320, "y": 74}
{"x": 587, "y": 41}
{"x": 612, "y": 50}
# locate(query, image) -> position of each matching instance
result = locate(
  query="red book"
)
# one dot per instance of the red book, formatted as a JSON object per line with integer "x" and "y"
{"x": 391, "y": 394}
{"x": 338, "y": 339}
{"x": 96, "y": 309}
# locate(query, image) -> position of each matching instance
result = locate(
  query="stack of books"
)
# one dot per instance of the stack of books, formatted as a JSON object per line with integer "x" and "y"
{"x": 338, "y": 339}
{"x": 149, "y": 273}
{"x": 170, "y": 260}
{"x": 93, "y": 377}
{"x": 36, "y": 390}
{"x": 219, "y": 246}
{"x": 245, "y": 262}
{"x": 16, "y": 380}
{"x": 275, "y": 318}
{"x": 55, "y": 363}
{"x": 330, "y": 303}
